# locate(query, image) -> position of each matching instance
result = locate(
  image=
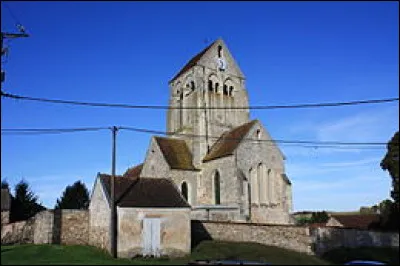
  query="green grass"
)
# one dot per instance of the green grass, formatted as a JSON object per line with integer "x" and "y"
{"x": 341, "y": 255}
{"x": 206, "y": 250}
{"x": 56, "y": 254}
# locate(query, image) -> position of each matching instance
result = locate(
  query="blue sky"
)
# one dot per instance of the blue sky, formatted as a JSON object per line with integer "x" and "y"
{"x": 126, "y": 52}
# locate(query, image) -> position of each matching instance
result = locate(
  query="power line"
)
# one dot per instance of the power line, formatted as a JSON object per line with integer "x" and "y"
{"x": 152, "y": 131}
{"x": 256, "y": 140}
{"x": 264, "y": 107}
{"x": 290, "y": 143}
{"x": 45, "y": 131}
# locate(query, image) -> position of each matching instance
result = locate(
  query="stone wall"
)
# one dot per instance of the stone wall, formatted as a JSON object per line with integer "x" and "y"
{"x": 215, "y": 213}
{"x": 99, "y": 218}
{"x": 5, "y": 217}
{"x": 291, "y": 237}
{"x": 327, "y": 238}
{"x": 74, "y": 229}
{"x": 69, "y": 227}
{"x": 18, "y": 233}
{"x": 44, "y": 226}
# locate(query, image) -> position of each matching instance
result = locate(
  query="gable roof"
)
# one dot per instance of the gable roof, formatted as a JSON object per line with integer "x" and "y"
{"x": 176, "y": 153}
{"x": 228, "y": 142}
{"x": 144, "y": 192}
{"x": 5, "y": 199}
{"x": 133, "y": 172}
{"x": 359, "y": 221}
{"x": 192, "y": 62}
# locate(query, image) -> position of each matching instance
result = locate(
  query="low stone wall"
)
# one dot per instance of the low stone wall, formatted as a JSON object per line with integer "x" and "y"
{"x": 74, "y": 228}
{"x": 18, "y": 233}
{"x": 327, "y": 238}
{"x": 286, "y": 236}
{"x": 69, "y": 227}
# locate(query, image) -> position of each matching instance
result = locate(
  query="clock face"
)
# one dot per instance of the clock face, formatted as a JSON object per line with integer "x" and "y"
{"x": 221, "y": 63}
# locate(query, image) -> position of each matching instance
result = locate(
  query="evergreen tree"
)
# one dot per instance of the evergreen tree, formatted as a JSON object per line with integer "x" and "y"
{"x": 24, "y": 204}
{"x": 74, "y": 197}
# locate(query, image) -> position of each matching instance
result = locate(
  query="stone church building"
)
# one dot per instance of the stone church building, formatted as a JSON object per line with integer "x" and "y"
{"x": 215, "y": 164}
{"x": 226, "y": 166}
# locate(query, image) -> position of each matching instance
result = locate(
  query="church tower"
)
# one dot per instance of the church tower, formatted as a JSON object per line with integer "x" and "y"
{"x": 203, "y": 95}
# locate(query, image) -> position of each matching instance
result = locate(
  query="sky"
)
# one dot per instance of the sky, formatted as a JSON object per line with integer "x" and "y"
{"x": 126, "y": 52}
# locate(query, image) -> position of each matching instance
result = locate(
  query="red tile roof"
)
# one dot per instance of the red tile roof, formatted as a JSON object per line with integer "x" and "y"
{"x": 176, "y": 153}
{"x": 358, "y": 221}
{"x": 228, "y": 142}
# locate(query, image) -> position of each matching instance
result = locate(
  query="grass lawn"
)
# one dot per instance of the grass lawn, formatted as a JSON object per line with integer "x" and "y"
{"x": 55, "y": 254}
{"x": 78, "y": 255}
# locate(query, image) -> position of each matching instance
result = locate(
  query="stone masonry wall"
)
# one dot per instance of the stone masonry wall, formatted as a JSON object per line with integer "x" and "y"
{"x": 5, "y": 217}
{"x": 18, "y": 233}
{"x": 74, "y": 227}
{"x": 291, "y": 237}
{"x": 69, "y": 227}
{"x": 327, "y": 238}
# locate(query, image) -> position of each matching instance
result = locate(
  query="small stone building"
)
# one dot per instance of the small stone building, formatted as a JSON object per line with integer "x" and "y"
{"x": 355, "y": 221}
{"x": 153, "y": 219}
{"x": 5, "y": 205}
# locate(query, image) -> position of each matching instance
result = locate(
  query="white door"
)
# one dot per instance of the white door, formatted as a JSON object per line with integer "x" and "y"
{"x": 151, "y": 237}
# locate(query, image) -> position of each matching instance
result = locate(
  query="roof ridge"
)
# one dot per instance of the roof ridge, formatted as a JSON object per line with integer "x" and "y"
{"x": 192, "y": 62}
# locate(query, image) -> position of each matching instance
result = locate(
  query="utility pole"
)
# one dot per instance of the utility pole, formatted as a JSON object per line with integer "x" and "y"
{"x": 8, "y": 35}
{"x": 113, "y": 227}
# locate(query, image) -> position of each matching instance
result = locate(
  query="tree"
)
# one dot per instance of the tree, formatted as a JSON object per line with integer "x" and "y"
{"x": 319, "y": 217}
{"x": 391, "y": 163}
{"x": 25, "y": 203}
{"x": 74, "y": 197}
{"x": 4, "y": 184}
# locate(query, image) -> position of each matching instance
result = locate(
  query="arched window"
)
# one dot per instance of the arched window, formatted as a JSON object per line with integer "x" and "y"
{"x": 217, "y": 188}
{"x": 254, "y": 186}
{"x": 258, "y": 134}
{"x": 225, "y": 89}
{"x": 219, "y": 51}
{"x": 192, "y": 85}
{"x": 230, "y": 90}
{"x": 216, "y": 87}
{"x": 184, "y": 190}
{"x": 210, "y": 85}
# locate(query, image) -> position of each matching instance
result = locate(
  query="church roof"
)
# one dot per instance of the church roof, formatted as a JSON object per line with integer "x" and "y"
{"x": 192, "y": 62}
{"x": 176, "y": 153}
{"x": 144, "y": 192}
{"x": 133, "y": 172}
{"x": 228, "y": 142}
{"x": 358, "y": 221}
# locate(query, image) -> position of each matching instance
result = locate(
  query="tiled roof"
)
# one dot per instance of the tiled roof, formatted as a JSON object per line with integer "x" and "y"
{"x": 133, "y": 172}
{"x": 192, "y": 62}
{"x": 228, "y": 142}
{"x": 144, "y": 192}
{"x": 358, "y": 221}
{"x": 176, "y": 153}
{"x": 5, "y": 199}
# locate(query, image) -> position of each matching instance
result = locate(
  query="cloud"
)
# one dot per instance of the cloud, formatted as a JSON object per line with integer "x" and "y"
{"x": 370, "y": 125}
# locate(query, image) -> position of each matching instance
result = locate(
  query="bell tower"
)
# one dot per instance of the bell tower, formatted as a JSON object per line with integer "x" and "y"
{"x": 203, "y": 98}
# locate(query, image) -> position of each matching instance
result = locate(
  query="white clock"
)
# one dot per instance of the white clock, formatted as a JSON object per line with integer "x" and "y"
{"x": 221, "y": 63}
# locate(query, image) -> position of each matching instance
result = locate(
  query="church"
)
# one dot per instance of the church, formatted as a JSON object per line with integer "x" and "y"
{"x": 226, "y": 166}
{"x": 215, "y": 164}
